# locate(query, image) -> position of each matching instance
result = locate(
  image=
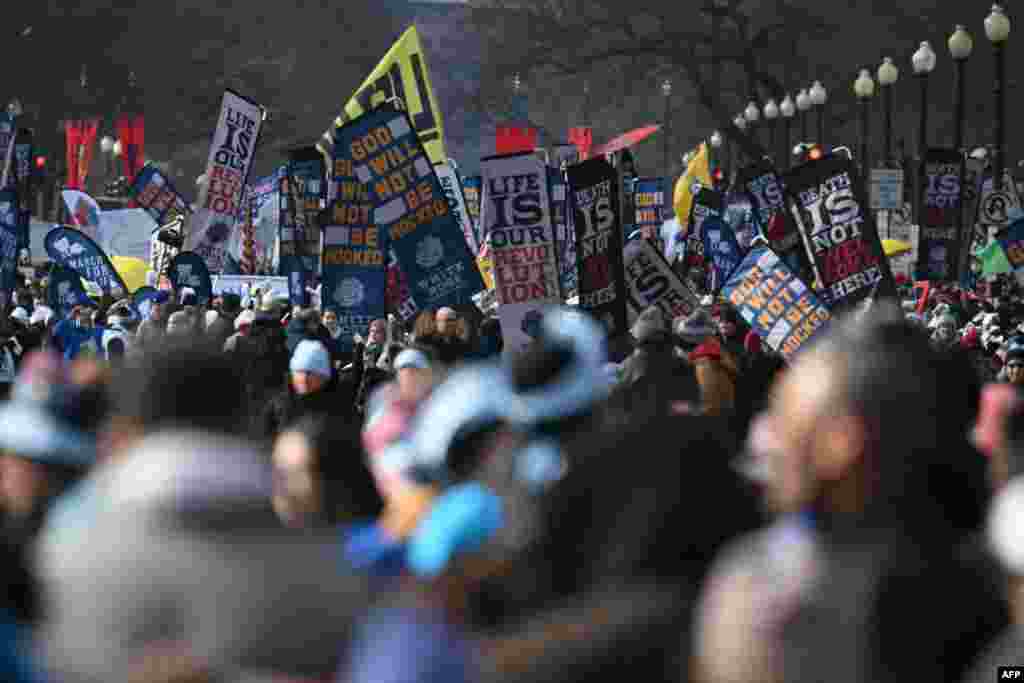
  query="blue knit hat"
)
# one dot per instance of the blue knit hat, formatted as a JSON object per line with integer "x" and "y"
{"x": 311, "y": 356}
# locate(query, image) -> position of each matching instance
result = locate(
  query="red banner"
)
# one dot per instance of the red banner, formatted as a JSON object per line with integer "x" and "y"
{"x": 513, "y": 139}
{"x": 583, "y": 138}
{"x": 73, "y": 138}
{"x": 88, "y": 142}
{"x": 131, "y": 131}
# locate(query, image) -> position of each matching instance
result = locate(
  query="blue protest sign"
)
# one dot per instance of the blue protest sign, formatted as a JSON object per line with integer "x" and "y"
{"x": 154, "y": 192}
{"x": 144, "y": 298}
{"x": 721, "y": 249}
{"x": 188, "y": 269}
{"x": 8, "y": 241}
{"x": 74, "y": 249}
{"x": 383, "y": 152}
{"x": 778, "y": 305}
{"x": 64, "y": 291}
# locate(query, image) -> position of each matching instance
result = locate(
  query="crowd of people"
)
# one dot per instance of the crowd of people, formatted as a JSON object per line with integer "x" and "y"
{"x": 242, "y": 492}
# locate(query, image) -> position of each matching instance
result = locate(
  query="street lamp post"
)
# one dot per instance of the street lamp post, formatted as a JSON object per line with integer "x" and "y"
{"x": 888, "y": 74}
{"x": 819, "y": 96}
{"x": 923, "y": 62}
{"x": 864, "y": 89}
{"x": 997, "y": 30}
{"x": 107, "y": 148}
{"x": 666, "y": 90}
{"x": 717, "y": 140}
{"x": 771, "y": 115}
{"x": 752, "y": 113}
{"x": 788, "y": 109}
{"x": 741, "y": 123}
{"x": 803, "y": 104}
{"x": 960, "y": 46}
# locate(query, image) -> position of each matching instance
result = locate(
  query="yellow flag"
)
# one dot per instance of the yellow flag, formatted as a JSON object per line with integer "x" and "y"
{"x": 402, "y": 78}
{"x": 697, "y": 171}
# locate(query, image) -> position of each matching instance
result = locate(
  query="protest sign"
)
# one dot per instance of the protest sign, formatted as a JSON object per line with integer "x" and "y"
{"x": 8, "y": 242}
{"x": 471, "y": 189}
{"x": 650, "y": 281}
{"x": 74, "y": 250}
{"x": 23, "y": 176}
{"x": 839, "y": 231}
{"x": 939, "y": 238}
{"x": 227, "y": 171}
{"x": 777, "y": 305}
{"x": 301, "y": 198}
{"x": 767, "y": 195}
{"x": 154, "y": 192}
{"x": 188, "y": 269}
{"x": 246, "y": 285}
{"x": 739, "y": 215}
{"x": 721, "y": 250}
{"x": 64, "y": 291}
{"x": 600, "y": 279}
{"x": 354, "y": 278}
{"x": 383, "y": 153}
{"x": 452, "y": 187}
{"x": 996, "y": 205}
{"x": 565, "y": 234}
{"x": 517, "y": 221}
{"x": 650, "y": 208}
{"x": 706, "y": 203}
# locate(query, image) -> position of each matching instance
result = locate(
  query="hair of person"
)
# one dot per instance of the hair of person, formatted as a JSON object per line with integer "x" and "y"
{"x": 181, "y": 385}
{"x": 917, "y": 406}
{"x": 349, "y": 489}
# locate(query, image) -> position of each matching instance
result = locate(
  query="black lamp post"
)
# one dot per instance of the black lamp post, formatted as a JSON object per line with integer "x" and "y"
{"x": 819, "y": 97}
{"x": 923, "y": 62}
{"x": 752, "y": 114}
{"x": 788, "y": 109}
{"x": 666, "y": 91}
{"x": 771, "y": 116}
{"x": 803, "y": 104}
{"x": 864, "y": 89}
{"x": 997, "y": 30}
{"x": 888, "y": 74}
{"x": 960, "y": 46}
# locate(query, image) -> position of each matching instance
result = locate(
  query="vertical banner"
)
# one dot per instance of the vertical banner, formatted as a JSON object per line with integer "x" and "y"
{"x": 839, "y": 230}
{"x": 382, "y": 151}
{"x": 706, "y": 204}
{"x": 304, "y": 190}
{"x": 8, "y": 134}
{"x": 778, "y": 305}
{"x": 767, "y": 194}
{"x": 87, "y": 146}
{"x": 227, "y": 171}
{"x": 517, "y": 221}
{"x": 23, "y": 176}
{"x": 8, "y": 243}
{"x": 722, "y": 251}
{"x": 267, "y": 212}
{"x": 739, "y": 215}
{"x": 72, "y": 145}
{"x": 188, "y": 269}
{"x": 565, "y": 233}
{"x": 938, "y": 250}
{"x": 74, "y": 249}
{"x": 452, "y": 187}
{"x": 974, "y": 169}
{"x": 83, "y": 212}
{"x": 650, "y": 281}
{"x": 471, "y": 188}
{"x": 354, "y": 280}
{"x": 131, "y": 132}
{"x": 594, "y": 198}
{"x": 154, "y": 192}
{"x": 398, "y": 296}
{"x": 64, "y": 291}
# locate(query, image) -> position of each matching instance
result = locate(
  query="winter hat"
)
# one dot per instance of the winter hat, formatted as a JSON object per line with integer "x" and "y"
{"x": 650, "y": 323}
{"x": 971, "y": 339}
{"x": 411, "y": 358}
{"x": 311, "y": 356}
{"x": 1015, "y": 349}
{"x": 41, "y": 315}
{"x": 211, "y": 318}
{"x": 696, "y": 328}
{"x": 188, "y": 297}
{"x": 178, "y": 322}
{"x": 20, "y": 314}
{"x": 244, "y": 318}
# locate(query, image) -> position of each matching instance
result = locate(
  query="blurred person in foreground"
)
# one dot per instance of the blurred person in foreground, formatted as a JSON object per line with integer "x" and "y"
{"x": 877, "y": 491}
{"x": 188, "y": 560}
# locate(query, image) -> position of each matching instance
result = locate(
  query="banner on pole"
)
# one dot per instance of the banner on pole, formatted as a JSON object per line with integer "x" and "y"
{"x": 64, "y": 291}
{"x": 565, "y": 233}
{"x": 706, "y": 204}
{"x": 8, "y": 242}
{"x": 403, "y": 80}
{"x": 938, "y": 248}
{"x": 517, "y": 221}
{"x": 471, "y": 188}
{"x": 767, "y": 193}
{"x": 23, "y": 176}
{"x": 382, "y": 152}
{"x": 154, "y": 192}
{"x": 452, "y": 186}
{"x": 601, "y": 283}
{"x": 722, "y": 251}
{"x": 839, "y": 231}
{"x": 650, "y": 208}
{"x": 74, "y": 250}
{"x": 777, "y": 305}
{"x": 227, "y": 171}
{"x": 188, "y": 269}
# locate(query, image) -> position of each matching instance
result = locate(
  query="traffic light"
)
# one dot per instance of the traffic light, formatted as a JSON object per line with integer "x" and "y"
{"x": 40, "y": 162}
{"x": 718, "y": 179}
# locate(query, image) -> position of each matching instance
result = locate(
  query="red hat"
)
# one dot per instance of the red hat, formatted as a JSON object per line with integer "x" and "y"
{"x": 970, "y": 340}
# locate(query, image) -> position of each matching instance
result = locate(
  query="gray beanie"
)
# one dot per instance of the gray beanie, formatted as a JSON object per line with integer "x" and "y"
{"x": 648, "y": 324}
{"x": 696, "y": 328}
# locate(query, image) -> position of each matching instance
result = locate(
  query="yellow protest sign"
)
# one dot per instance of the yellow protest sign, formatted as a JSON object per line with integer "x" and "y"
{"x": 402, "y": 79}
